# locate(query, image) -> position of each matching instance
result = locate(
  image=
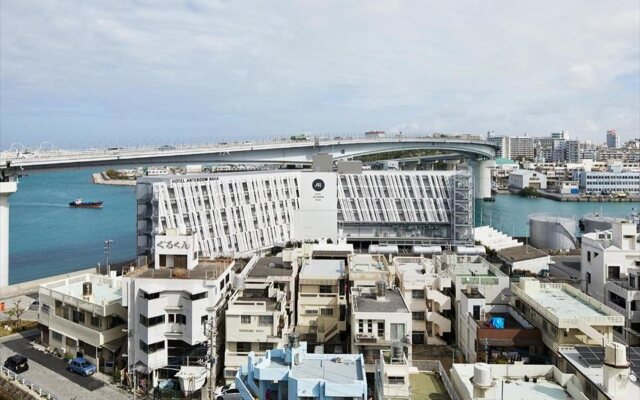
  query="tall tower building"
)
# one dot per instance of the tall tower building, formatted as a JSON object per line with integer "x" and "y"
{"x": 613, "y": 140}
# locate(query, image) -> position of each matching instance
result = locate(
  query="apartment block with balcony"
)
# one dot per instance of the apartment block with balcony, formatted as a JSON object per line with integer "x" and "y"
{"x": 471, "y": 271}
{"x": 380, "y": 319}
{"x": 84, "y": 314}
{"x": 565, "y": 315}
{"x": 256, "y": 320}
{"x": 364, "y": 270}
{"x": 281, "y": 270}
{"x": 322, "y": 302}
{"x": 497, "y": 333}
{"x": 170, "y": 313}
{"x": 427, "y": 294}
{"x": 609, "y": 263}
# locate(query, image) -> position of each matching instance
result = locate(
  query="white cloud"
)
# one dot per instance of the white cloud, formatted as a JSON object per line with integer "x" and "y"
{"x": 75, "y": 71}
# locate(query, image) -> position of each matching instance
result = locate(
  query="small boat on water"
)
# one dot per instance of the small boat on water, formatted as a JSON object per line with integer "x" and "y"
{"x": 191, "y": 378}
{"x": 78, "y": 203}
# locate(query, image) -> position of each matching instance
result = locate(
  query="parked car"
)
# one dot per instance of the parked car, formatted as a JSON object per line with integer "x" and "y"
{"x": 17, "y": 363}
{"x": 81, "y": 366}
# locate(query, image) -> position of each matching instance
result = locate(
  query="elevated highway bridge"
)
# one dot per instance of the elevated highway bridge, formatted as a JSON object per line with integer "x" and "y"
{"x": 13, "y": 163}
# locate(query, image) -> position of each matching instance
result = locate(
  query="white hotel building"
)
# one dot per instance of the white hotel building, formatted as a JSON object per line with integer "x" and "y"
{"x": 236, "y": 213}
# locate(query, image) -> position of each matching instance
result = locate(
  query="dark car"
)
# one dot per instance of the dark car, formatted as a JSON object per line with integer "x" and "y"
{"x": 17, "y": 363}
{"x": 81, "y": 366}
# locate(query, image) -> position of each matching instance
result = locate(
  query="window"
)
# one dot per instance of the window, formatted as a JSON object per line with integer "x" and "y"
{"x": 417, "y": 315}
{"x": 632, "y": 281}
{"x": 417, "y": 337}
{"x": 343, "y": 312}
{"x": 326, "y": 289}
{"x": 181, "y": 319}
{"x": 77, "y": 316}
{"x": 397, "y": 331}
{"x": 151, "y": 348}
{"x": 151, "y": 321}
{"x": 417, "y": 294}
{"x": 396, "y": 380}
{"x": 245, "y": 319}
{"x": 326, "y": 311}
{"x": 360, "y": 326}
{"x": 588, "y": 277}
{"x": 265, "y": 346}
{"x": 204, "y": 319}
{"x": 311, "y": 311}
{"x": 198, "y": 296}
{"x": 143, "y": 320}
{"x": 45, "y": 309}
{"x": 172, "y": 318}
{"x": 243, "y": 347}
{"x": 56, "y": 336}
{"x": 589, "y": 256}
{"x": 95, "y": 321}
{"x": 265, "y": 320}
{"x": 614, "y": 272}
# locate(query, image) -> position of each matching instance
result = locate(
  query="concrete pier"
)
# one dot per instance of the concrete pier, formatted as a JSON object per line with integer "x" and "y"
{"x": 481, "y": 178}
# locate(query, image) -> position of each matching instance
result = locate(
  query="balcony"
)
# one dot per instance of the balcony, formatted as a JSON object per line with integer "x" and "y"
{"x": 318, "y": 299}
{"x": 174, "y": 330}
{"x": 621, "y": 288}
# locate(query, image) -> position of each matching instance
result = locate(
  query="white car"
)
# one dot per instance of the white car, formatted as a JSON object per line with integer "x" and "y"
{"x": 227, "y": 392}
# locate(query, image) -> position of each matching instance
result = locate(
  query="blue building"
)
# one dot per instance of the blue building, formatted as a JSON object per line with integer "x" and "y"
{"x": 292, "y": 373}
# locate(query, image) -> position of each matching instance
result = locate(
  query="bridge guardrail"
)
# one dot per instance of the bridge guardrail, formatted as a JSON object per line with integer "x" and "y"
{"x": 130, "y": 151}
{"x": 27, "y": 383}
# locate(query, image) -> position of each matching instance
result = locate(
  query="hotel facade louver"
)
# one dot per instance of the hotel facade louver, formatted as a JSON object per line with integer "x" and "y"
{"x": 235, "y": 213}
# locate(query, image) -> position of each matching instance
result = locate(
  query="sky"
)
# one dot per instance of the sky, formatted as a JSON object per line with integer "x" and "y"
{"x": 104, "y": 73}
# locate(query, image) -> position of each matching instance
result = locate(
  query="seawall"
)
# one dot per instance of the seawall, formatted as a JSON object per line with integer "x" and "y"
{"x": 100, "y": 179}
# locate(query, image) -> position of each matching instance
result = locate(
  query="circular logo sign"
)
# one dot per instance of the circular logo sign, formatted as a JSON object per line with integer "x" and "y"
{"x": 318, "y": 185}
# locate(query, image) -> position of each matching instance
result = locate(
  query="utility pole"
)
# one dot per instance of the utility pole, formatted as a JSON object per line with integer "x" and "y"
{"x": 107, "y": 253}
{"x": 211, "y": 331}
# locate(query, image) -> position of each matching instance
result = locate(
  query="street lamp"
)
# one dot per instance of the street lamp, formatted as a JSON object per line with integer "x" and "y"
{"x": 107, "y": 254}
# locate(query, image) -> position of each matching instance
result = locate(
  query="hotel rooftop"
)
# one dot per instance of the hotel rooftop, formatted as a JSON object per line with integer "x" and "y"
{"x": 322, "y": 269}
{"x": 105, "y": 292}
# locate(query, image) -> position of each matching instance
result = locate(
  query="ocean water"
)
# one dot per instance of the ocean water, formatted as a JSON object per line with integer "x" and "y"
{"x": 47, "y": 237}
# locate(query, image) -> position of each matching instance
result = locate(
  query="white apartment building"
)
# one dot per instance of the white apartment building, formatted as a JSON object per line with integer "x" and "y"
{"x": 503, "y": 144}
{"x": 565, "y": 315}
{"x": 525, "y": 178}
{"x": 172, "y": 310}
{"x": 84, "y": 314}
{"x": 496, "y": 381}
{"x": 256, "y": 320}
{"x": 322, "y": 301}
{"x": 239, "y": 213}
{"x": 426, "y": 291}
{"x": 365, "y": 270}
{"x": 613, "y": 182}
{"x": 609, "y": 262}
{"x": 471, "y": 273}
{"x": 380, "y": 319}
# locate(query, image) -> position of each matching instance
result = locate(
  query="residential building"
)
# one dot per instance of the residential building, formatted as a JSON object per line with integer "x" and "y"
{"x": 281, "y": 270}
{"x": 525, "y": 178}
{"x": 521, "y": 147}
{"x": 609, "y": 263}
{"x": 497, "y": 333}
{"x": 255, "y": 321}
{"x": 398, "y": 379}
{"x": 572, "y": 151}
{"x": 380, "y": 318}
{"x": 524, "y": 258}
{"x": 172, "y": 311}
{"x": 565, "y": 315}
{"x": 502, "y": 142}
{"x": 613, "y": 140}
{"x": 605, "y": 373}
{"x": 501, "y": 170}
{"x": 426, "y": 292}
{"x": 563, "y": 135}
{"x": 365, "y": 270}
{"x": 611, "y": 182}
{"x": 292, "y": 373}
{"x": 499, "y": 381}
{"x": 322, "y": 302}
{"x": 84, "y": 314}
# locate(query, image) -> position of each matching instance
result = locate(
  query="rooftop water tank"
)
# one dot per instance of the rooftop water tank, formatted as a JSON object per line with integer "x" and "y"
{"x": 238, "y": 282}
{"x": 426, "y": 250}
{"x": 383, "y": 249}
{"x": 482, "y": 375}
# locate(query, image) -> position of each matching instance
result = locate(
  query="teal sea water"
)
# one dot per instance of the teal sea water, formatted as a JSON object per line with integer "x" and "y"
{"x": 49, "y": 238}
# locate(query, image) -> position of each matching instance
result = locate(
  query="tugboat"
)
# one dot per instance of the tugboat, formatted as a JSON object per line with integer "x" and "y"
{"x": 78, "y": 203}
